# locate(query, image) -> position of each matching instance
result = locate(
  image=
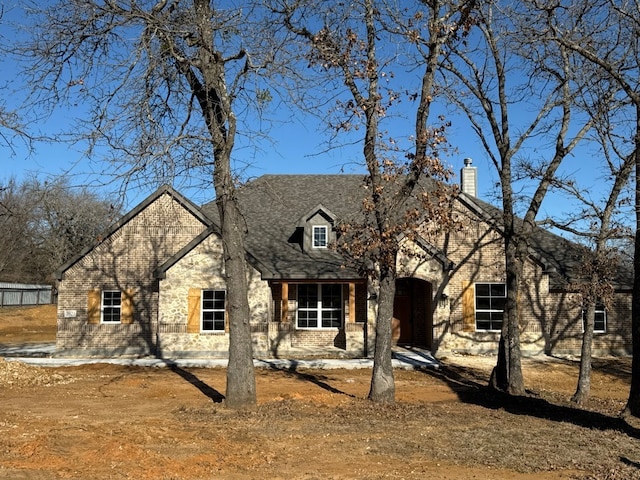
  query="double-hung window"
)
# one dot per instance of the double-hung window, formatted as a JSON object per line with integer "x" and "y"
{"x": 111, "y": 306}
{"x": 213, "y": 310}
{"x": 319, "y": 306}
{"x": 600, "y": 320}
{"x": 320, "y": 236}
{"x": 490, "y": 301}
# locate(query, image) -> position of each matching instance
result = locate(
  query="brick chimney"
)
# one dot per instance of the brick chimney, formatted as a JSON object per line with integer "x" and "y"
{"x": 469, "y": 178}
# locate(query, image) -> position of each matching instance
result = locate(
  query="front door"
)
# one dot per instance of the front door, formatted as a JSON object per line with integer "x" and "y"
{"x": 412, "y": 317}
{"x": 402, "y": 319}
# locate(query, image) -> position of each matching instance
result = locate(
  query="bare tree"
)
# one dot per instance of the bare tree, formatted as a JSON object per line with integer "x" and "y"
{"x": 599, "y": 222}
{"x": 607, "y": 34}
{"x": 504, "y": 66}
{"x": 10, "y": 127}
{"x": 63, "y": 221}
{"x": 14, "y": 221}
{"x": 161, "y": 84}
{"x": 11, "y": 124}
{"x": 43, "y": 224}
{"x": 352, "y": 44}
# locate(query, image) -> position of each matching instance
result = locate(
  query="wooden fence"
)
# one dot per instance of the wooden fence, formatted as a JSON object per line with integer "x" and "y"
{"x": 12, "y": 294}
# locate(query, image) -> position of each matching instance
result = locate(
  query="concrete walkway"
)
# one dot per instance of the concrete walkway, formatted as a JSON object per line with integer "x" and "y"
{"x": 42, "y": 354}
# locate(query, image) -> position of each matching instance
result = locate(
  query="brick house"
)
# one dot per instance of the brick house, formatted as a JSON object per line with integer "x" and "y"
{"x": 154, "y": 286}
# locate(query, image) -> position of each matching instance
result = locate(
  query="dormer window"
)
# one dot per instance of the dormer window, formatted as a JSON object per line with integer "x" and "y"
{"x": 320, "y": 237}
{"x": 315, "y": 230}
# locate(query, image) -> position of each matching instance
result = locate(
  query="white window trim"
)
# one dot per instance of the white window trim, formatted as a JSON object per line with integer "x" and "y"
{"x": 326, "y": 236}
{"x": 599, "y": 309}
{"x": 319, "y": 308}
{"x": 202, "y": 310}
{"x": 102, "y": 307}
{"x": 475, "y": 307}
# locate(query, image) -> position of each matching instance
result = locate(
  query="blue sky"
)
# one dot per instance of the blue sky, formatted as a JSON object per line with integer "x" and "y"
{"x": 297, "y": 147}
{"x": 294, "y": 146}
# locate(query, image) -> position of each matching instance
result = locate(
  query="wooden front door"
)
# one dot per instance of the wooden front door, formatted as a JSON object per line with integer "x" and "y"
{"x": 402, "y": 314}
{"x": 412, "y": 313}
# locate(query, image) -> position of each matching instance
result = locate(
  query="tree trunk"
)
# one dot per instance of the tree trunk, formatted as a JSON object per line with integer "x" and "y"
{"x": 241, "y": 384}
{"x": 507, "y": 374}
{"x": 584, "y": 378}
{"x": 633, "y": 404}
{"x": 383, "y": 388}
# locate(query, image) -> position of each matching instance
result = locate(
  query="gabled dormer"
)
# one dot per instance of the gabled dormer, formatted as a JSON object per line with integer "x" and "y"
{"x": 318, "y": 229}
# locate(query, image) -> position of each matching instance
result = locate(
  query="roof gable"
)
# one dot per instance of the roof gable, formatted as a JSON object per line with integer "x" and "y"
{"x": 274, "y": 206}
{"x": 189, "y": 206}
{"x": 560, "y": 257}
{"x": 317, "y": 210}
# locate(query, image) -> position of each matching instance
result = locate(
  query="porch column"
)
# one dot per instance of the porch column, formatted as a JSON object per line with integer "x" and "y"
{"x": 352, "y": 302}
{"x": 284, "y": 305}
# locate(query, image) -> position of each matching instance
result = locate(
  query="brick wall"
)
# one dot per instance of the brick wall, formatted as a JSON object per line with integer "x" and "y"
{"x": 565, "y": 326}
{"x": 550, "y": 321}
{"x": 125, "y": 260}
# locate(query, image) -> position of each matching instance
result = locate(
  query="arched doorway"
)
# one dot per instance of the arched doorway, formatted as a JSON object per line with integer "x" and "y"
{"x": 412, "y": 318}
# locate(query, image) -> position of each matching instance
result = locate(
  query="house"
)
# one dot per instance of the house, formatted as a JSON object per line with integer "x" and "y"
{"x": 153, "y": 285}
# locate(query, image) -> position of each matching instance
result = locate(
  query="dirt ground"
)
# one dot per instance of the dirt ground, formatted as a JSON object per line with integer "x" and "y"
{"x": 115, "y": 422}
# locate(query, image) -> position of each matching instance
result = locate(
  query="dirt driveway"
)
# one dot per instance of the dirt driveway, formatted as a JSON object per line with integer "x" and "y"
{"x": 116, "y": 422}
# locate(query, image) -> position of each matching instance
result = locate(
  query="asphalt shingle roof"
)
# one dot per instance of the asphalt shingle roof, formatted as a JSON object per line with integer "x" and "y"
{"x": 274, "y": 204}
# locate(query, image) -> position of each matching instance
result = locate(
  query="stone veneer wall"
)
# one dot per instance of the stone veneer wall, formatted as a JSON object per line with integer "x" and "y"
{"x": 550, "y": 322}
{"x": 478, "y": 254}
{"x": 203, "y": 268}
{"x": 125, "y": 260}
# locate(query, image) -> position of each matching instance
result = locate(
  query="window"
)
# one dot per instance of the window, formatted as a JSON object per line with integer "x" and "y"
{"x": 600, "y": 320}
{"x": 320, "y": 237}
{"x": 213, "y": 310}
{"x": 111, "y": 306}
{"x": 490, "y": 300}
{"x": 319, "y": 306}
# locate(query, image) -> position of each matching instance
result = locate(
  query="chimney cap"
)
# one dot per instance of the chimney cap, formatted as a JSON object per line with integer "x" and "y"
{"x": 467, "y": 162}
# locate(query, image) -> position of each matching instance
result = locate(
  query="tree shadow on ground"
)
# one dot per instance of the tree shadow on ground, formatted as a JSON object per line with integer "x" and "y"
{"x": 471, "y": 387}
{"x": 319, "y": 380}
{"x": 208, "y": 391}
{"x": 619, "y": 367}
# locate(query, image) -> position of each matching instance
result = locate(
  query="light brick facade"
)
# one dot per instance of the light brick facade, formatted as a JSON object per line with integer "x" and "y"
{"x": 202, "y": 269}
{"x": 125, "y": 260}
{"x": 164, "y": 255}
